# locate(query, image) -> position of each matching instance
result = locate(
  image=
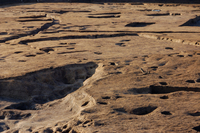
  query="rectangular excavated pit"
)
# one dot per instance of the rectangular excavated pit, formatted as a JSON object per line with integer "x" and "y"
{"x": 161, "y": 89}
{"x": 169, "y": 89}
{"x": 139, "y": 24}
{"x": 192, "y": 22}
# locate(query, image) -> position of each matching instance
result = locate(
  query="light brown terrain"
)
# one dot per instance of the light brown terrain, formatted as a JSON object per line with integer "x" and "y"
{"x": 100, "y": 68}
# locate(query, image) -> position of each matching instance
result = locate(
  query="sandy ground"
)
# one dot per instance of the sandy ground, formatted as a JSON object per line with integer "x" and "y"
{"x": 100, "y": 68}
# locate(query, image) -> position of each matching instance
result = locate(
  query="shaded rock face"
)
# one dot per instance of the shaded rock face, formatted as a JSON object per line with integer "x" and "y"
{"x": 47, "y": 85}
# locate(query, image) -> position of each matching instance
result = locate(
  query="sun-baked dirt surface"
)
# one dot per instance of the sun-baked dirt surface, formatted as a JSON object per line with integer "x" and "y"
{"x": 100, "y": 68}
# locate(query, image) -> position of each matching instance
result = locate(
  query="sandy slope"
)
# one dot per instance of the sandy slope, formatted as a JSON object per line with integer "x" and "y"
{"x": 107, "y": 68}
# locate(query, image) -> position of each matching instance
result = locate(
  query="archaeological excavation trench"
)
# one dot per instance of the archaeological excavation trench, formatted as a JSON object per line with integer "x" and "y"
{"x": 192, "y": 22}
{"x": 162, "y": 89}
{"x": 45, "y": 85}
